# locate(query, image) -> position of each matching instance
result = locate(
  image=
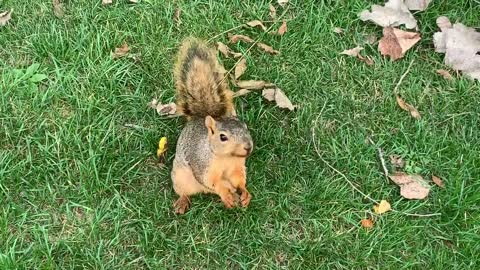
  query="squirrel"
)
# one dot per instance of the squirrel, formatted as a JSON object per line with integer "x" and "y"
{"x": 214, "y": 144}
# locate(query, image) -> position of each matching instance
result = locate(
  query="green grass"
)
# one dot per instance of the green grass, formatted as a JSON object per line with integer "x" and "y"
{"x": 80, "y": 190}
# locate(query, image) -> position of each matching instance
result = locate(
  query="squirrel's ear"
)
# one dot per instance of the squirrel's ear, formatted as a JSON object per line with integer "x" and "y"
{"x": 210, "y": 124}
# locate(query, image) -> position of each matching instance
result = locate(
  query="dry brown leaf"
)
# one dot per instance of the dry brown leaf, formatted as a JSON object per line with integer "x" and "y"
{"x": 163, "y": 109}
{"x": 240, "y": 68}
{"x": 58, "y": 8}
{"x": 355, "y": 52}
{"x": 257, "y": 23}
{"x": 277, "y": 95}
{"x": 370, "y": 38}
{"x": 121, "y": 51}
{"x": 383, "y": 207}
{"x": 176, "y": 16}
{"x": 5, "y": 17}
{"x": 417, "y": 4}
{"x": 461, "y": 45}
{"x": 226, "y": 51}
{"x": 409, "y": 108}
{"x": 411, "y": 186}
{"x": 396, "y": 42}
{"x": 106, "y": 2}
{"x": 367, "y": 223}
{"x": 438, "y": 181}
{"x": 282, "y": 29}
{"x": 252, "y": 84}
{"x": 282, "y": 3}
{"x": 241, "y": 92}
{"x": 394, "y": 13}
{"x": 445, "y": 74}
{"x": 267, "y": 48}
{"x": 273, "y": 11}
{"x": 397, "y": 161}
{"x": 338, "y": 30}
{"x": 236, "y": 38}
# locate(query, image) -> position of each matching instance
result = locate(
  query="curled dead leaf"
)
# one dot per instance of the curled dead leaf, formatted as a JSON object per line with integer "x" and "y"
{"x": 282, "y": 3}
{"x": 382, "y": 207}
{"x": 253, "y": 84}
{"x": 121, "y": 51}
{"x": 353, "y": 52}
{"x": 438, "y": 181}
{"x": 396, "y": 42}
{"x": 5, "y": 17}
{"x": 397, "y": 161}
{"x": 241, "y": 92}
{"x": 445, "y": 74}
{"x": 338, "y": 30}
{"x": 409, "y": 108}
{"x": 236, "y": 38}
{"x": 367, "y": 223}
{"x": 369, "y": 39}
{"x": 257, "y": 23}
{"x": 282, "y": 29}
{"x": 267, "y": 48}
{"x": 240, "y": 68}
{"x": 163, "y": 109}
{"x": 394, "y": 13}
{"x": 273, "y": 11}
{"x": 419, "y": 5}
{"x": 277, "y": 95}
{"x": 106, "y": 2}
{"x": 411, "y": 186}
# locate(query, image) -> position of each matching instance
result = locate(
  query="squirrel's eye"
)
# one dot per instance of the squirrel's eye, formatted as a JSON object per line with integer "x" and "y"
{"x": 223, "y": 137}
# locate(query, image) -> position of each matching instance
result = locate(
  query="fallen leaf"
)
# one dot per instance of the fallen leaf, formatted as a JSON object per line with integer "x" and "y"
{"x": 106, "y": 2}
{"x": 461, "y": 45}
{"x": 58, "y": 8}
{"x": 438, "y": 181}
{"x": 367, "y": 223}
{"x": 236, "y": 38}
{"x": 5, "y": 17}
{"x": 381, "y": 208}
{"x": 420, "y": 5}
{"x": 394, "y": 13}
{"x": 282, "y": 29}
{"x": 445, "y": 74}
{"x": 162, "y": 146}
{"x": 176, "y": 16}
{"x": 409, "y": 108}
{"x": 226, "y": 51}
{"x": 163, "y": 109}
{"x": 121, "y": 51}
{"x": 282, "y": 3}
{"x": 397, "y": 161}
{"x": 241, "y": 92}
{"x": 252, "y": 84}
{"x": 338, "y": 30}
{"x": 411, "y": 186}
{"x": 277, "y": 95}
{"x": 273, "y": 11}
{"x": 134, "y": 1}
{"x": 240, "y": 68}
{"x": 396, "y": 42}
{"x": 256, "y": 23}
{"x": 355, "y": 52}
{"x": 267, "y": 48}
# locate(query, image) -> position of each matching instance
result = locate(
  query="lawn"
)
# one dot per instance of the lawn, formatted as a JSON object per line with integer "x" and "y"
{"x": 80, "y": 190}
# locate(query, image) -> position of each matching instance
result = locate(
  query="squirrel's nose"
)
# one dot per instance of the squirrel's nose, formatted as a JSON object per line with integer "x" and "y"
{"x": 248, "y": 148}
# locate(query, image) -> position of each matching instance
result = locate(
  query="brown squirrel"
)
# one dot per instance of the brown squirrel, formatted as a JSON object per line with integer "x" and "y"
{"x": 214, "y": 144}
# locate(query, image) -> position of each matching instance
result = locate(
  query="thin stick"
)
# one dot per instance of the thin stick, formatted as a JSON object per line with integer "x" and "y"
{"x": 382, "y": 160}
{"x": 395, "y": 90}
{"x": 226, "y": 31}
{"x": 350, "y": 182}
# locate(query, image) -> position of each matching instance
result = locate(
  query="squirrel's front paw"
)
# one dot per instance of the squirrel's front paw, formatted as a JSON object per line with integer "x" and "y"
{"x": 245, "y": 197}
{"x": 228, "y": 200}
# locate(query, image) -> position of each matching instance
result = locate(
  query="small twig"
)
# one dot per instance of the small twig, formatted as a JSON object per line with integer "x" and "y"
{"x": 134, "y": 126}
{"x": 226, "y": 31}
{"x": 382, "y": 159}
{"x": 350, "y": 182}
{"x": 395, "y": 90}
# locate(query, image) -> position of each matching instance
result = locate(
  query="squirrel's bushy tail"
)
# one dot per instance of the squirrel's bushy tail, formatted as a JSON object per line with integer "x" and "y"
{"x": 200, "y": 88}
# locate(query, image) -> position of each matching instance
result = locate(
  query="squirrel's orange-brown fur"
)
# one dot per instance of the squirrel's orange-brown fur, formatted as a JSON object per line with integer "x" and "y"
{"x": 200, "y": 88}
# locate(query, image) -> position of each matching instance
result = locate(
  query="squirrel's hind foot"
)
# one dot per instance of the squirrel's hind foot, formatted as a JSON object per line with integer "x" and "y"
{"x": 182, "y": 205}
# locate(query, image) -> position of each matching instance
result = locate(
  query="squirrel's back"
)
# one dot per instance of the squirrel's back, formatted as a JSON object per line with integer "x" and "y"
{"x": 200, "y": 87}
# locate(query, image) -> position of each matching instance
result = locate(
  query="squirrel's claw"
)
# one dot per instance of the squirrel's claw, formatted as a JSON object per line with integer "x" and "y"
{"x": 182, "y": 205}
{"x": 245, "y": 198}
